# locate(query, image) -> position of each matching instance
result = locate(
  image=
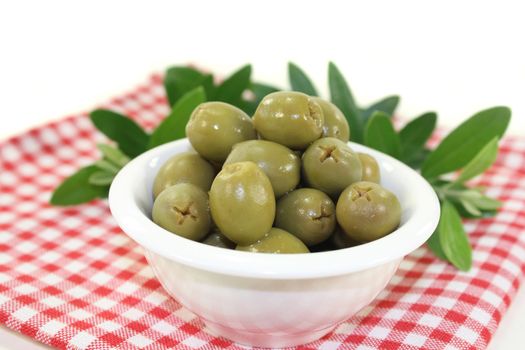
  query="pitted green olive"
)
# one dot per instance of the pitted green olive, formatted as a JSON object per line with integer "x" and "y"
{"x": 214, "y": 127}
{"x": 307, "y": 213}
{"x": 184, "y": 167}
{"x": 330, "y": 165}
{"x": 276, "y": 241}
{"x": 370, "y": 168}
{"x": 242, "y": 202}
{"x": 367, "y": 211}
{"x": 279, "y": 163}
{"x": 335, "y": 124}
{"x": 183, "y": 209}
{"x": 292, "y": 119}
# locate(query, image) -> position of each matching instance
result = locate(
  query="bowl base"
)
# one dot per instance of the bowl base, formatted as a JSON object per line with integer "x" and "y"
{"x": 265, "y": 340}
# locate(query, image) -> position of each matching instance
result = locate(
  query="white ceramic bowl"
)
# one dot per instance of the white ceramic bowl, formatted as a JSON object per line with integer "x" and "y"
{"x": 271, "y": 300}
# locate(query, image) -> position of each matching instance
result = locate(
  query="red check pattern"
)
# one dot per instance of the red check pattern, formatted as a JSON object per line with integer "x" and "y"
{"x": 71, "y": 278}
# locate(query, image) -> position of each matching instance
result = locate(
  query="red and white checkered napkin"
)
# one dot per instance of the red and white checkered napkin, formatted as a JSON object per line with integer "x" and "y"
{"x": 72, "y": 279}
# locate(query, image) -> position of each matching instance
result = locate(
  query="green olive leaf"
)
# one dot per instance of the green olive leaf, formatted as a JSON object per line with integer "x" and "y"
{"x": 107, "y": 166}
{"x": 480, "y": 200}
{"x": 387, "y": 105}
{"x": 101, "y": 178}
{"x": 470, "y": 213}
{"x": 435, "y": 246}
{"x": 260, "y": 90}
{"x": 481, "y": 162}
{"x": 180, "y": 80}
{"x": 174, "y": 126}
{"x": 470, "y": 208}
{"x": 453, "y": 238}
{"x": 464, "y": 142}
{"x": 341, "y": 96}
{"x": 380, "y": 134}
{"x": 231, "y": 89}
{"x": 418, "y": 158}
{"x": 130, "y": 137}
{"x": 114, "y": 155}
{"x": 415, "y": 134}
{"x": 487, "y": 204}
{"x": 76, "y": 189}
{"x": 299, "y": 81}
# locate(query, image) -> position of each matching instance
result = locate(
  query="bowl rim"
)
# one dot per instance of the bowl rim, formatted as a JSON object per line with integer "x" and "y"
{"x": 124, "y": 197}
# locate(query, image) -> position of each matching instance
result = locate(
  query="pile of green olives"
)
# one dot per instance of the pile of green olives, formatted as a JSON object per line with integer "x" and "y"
{"x": 283, "y": 181}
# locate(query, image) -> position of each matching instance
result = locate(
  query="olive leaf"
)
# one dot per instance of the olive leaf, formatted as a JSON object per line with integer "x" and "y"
{"x": 470, "y": 208}
{"x": 479, "y": 200}
{"x": 231, "y": 89}
{"x": 107, "y": 166}
{"x": 342, "y": 97}
{"x": 179, "y": 80}
{"x": 453, "y": 238}
{"x": 387, "y": 105}
{"x": 464, "y": 142}
{"x": 481, "y": 162}
{"x": 417, "y": 159}
{"x": 130, "y": 137}
{"x": 435, "y": 245}
{"x": 261, "y": 90}
{"x": 415, "y": 134}
{"x": 476, "y": 214}
{"x": 173, "y": 127}
{"x": 114, "y": 155}
{"x": 380, "y": 134}
{"x": 299, "y": 81}
{"x": 101, "y": 178}
{"x": 77, "y": 189}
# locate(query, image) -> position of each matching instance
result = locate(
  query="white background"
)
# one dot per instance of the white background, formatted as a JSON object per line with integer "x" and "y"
{"x": 61, "y": 57}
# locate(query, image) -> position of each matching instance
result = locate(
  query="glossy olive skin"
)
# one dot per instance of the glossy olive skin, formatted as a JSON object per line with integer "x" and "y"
{"x": 330, "y": 165}
{"x": 185, "y": 167}
{"x": 335, "y": 124}
{"x": 183, "y": 209}
{"x": 370, "y": 168}
{"x": 307, "y": 213}
{"x": 289, "y": 118}
{"x": 367, "y": 211}
{"x": 214, "y": 127}
{"x": 242, "y": 202}
{"x": 279, "y": 163}
{"x": 276, "y": 241}
{"x": 217, "y": 239}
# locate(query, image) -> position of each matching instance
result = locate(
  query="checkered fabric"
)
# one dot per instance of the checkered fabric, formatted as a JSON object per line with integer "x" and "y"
{"x": 70, "y": 278}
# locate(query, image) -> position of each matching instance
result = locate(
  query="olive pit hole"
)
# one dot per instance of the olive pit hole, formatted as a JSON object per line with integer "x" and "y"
{"x": 184, "y": 212}
{"x": 328, "y": 152}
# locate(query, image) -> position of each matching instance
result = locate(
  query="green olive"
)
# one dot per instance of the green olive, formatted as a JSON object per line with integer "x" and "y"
{"x": 217, "y": 239}
{"x": 335, "y": 124}
{"x": 370, "y": 168}
{"x": 183, "y": 209}
{"x": 341, "y": 240}
{"x": 242, "y": 202}
{"x": 292, "y": 119}
{"x": 279, "y": 163}
{"x": 330, "y": 165}
{"x": 367, "y": 211}
{"x": 307, "y": 213}
{"x": 214, "y": 127}
{"x": 184, "y": 168}
{"x": 276, "y": 241}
